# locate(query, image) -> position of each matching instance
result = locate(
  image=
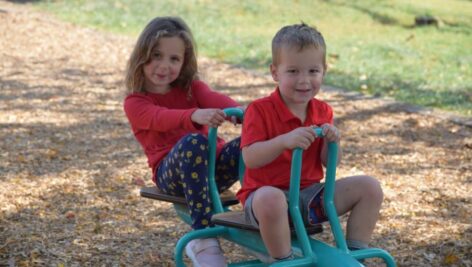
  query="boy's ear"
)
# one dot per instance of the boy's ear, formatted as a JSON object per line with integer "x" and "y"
{"x": 273, "y": 71}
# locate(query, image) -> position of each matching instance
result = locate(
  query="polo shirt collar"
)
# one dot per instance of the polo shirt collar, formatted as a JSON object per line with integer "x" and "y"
{"x": 283, "y": 112}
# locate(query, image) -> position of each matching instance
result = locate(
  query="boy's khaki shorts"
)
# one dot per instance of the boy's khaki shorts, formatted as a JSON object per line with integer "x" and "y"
{"x": 307, "y": 195}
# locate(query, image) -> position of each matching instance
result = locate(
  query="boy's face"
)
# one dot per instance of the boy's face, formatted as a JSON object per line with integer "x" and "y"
{"x": 299, "y": 74}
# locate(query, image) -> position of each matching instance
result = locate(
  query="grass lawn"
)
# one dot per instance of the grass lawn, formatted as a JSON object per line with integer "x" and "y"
{"x": 373, "y": 46}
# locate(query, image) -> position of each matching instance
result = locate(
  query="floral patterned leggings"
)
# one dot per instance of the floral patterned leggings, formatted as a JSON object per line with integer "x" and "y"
{"x": 184, "y": 172}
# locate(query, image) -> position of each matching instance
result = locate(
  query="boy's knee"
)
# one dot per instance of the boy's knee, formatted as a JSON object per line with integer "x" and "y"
{"x": 373, "y": 189}
{"x": 270, "y": 203}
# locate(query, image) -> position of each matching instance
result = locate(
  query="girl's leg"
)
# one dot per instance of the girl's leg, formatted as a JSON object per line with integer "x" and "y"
{"x": 269, "y": 206}
{"x": 184, "y": 171}
{"x": 227, "y": 165}
{"x": 362, "y": 195}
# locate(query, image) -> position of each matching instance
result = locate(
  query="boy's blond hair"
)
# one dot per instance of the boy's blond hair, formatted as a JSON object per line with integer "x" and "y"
{"x": 299, "y": 36}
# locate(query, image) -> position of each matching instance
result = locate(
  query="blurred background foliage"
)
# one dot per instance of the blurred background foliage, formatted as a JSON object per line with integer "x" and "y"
{"x": 419, "y": 52}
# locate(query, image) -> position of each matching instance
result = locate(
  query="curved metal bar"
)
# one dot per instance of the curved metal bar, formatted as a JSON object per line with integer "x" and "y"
{"x": 328, "y": 195}
{"x": 294, "y": 193}
{"x": 202, "y": 233}
{"x": 293, "y": 205}
{"x": 212, "y": 136}
{"x": 374, "y": 253}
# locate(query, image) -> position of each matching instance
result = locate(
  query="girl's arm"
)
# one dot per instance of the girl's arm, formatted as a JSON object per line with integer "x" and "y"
{"x": 142, "y": 113}
{"x": 207, "y": 98}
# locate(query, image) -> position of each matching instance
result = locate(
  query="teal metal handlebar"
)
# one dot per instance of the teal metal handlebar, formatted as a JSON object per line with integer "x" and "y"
{"x": 212, "y": 136}
{"x": 328, "y": 196}
{"x": 234, "y": 112}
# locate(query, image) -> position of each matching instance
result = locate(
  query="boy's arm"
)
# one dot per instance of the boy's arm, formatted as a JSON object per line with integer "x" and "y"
{"x": 261, "y": 153}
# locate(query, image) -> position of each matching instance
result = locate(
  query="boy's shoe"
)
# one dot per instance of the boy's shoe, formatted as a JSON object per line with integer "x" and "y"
{"x": 265, "y": 258}
{"x": 260, "y": 256}
{"x": 205, "y": 253}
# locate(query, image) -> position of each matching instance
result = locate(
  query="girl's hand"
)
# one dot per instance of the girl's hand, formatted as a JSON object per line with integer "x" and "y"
{"x": 235, "y": 119}
{"x": 330, "y": 132}
{"x": 212, "y": 117}
{"x": 300, "y": 137}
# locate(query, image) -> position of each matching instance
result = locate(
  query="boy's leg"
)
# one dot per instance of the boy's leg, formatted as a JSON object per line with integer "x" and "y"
{"x": 269, "y": 206}
{"x": 362, "y": 196}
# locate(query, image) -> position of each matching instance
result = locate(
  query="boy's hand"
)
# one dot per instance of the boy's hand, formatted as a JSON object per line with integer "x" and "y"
{"x": 330, "y": 132}
{"x": 212, "y": 117}
{"x": 301, "y": 137}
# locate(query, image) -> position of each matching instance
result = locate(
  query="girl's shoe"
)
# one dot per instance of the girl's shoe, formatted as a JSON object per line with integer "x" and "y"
{"x": 205, "y": 253}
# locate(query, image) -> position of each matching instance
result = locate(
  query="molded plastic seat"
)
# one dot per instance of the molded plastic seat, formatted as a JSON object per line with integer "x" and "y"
{"x": 227, "y": 197}
{"x": 237, "y": 219}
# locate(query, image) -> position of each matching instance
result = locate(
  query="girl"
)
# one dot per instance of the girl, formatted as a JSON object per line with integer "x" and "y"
{"x": 169, "y": 110}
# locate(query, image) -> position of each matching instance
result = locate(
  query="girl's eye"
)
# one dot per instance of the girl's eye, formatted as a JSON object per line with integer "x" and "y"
{"x": 156, "y": 55}
{"x": 314, "y": 71}
{"x": 175, "y": 59}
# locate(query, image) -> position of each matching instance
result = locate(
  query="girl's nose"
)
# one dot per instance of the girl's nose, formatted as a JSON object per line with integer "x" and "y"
{"x": 164, "y": 64}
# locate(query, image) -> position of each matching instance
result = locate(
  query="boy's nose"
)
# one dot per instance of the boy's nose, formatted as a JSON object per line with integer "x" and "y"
{"x": 304, "y": 79}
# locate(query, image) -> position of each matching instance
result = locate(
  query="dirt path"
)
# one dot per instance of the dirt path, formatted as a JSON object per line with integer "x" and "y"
{"x": 68, "y": 160}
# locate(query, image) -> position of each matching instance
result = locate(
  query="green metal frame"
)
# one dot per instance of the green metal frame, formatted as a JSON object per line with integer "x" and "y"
{"x": 308, "y": 251}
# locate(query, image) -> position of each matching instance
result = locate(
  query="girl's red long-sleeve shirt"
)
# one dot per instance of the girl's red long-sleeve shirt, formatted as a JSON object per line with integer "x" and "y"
{"x": 158, "y": 121}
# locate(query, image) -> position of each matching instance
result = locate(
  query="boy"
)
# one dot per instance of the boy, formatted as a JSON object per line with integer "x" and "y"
{"x": 276, "y": 124}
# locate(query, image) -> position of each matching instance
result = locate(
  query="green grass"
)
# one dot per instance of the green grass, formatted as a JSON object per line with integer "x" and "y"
{"x": 372, "y": 45}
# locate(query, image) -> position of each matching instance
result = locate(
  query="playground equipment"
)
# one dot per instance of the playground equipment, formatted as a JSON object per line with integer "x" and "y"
{"x": 231, "y": 225}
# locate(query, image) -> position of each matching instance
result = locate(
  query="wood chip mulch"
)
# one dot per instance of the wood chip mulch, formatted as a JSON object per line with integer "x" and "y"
{"x": 70, "y": 169}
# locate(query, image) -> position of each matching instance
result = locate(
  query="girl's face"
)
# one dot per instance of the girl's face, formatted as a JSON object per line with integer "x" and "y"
{"x": 299, "y": 74}
{"x": 165, "y": 64}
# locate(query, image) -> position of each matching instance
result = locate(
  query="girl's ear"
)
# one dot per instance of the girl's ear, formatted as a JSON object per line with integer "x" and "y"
{"x": 273, "y": 71}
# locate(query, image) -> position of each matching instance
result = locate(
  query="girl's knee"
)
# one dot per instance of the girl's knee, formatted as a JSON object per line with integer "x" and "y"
{"x": 193, "y": 145}
{"x": 195, "y": 139}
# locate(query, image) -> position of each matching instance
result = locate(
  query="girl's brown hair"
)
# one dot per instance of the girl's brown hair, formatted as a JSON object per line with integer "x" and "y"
{"x": 157, "y": 28}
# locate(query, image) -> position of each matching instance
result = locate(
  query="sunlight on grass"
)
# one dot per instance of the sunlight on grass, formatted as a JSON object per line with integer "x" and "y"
{"x": 373, "y": 46}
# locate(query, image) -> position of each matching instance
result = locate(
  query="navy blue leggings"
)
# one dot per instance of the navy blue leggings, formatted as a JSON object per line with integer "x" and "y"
{"x": 184, "y": 172}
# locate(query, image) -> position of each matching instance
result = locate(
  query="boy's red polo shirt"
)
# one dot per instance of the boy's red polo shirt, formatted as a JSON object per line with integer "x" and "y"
{"x": 269, "y": 117}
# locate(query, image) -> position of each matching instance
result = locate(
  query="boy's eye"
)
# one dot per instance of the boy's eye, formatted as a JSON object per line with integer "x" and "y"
{"x": 291, "y": 71}
{"x": 314, "y": 71}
